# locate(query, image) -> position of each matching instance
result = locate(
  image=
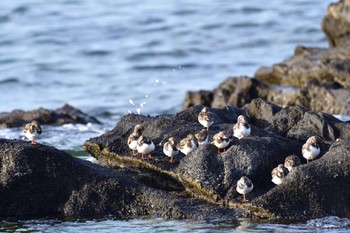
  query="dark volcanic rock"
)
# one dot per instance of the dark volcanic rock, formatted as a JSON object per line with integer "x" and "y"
{"x": 60, "y": 116}
{"x": 276, "y": 133}
{"x": 232, "y": 92}
{"x": 336, "y": 23}
{"x": 38, "y": 180}
{"x": 327, "y": 177}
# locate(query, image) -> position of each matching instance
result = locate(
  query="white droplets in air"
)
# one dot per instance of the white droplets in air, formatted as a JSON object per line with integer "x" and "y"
{"x": 137, "y": 107}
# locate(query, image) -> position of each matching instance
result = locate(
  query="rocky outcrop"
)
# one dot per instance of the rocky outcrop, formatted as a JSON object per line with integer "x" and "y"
{"x": 313, "y": 95}
{"x": 38, "y": 181}
{"x": 289, "y": 200}
{"x": 336, "y": 23}
{"x": 276, "y": 133}
{"x": 64, "y": 115}
{"x": 316, "y": 78}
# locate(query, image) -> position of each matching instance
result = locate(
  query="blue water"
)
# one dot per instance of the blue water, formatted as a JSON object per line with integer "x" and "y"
{"x": 111, "y": 57}
{"x": 153, "y": 225}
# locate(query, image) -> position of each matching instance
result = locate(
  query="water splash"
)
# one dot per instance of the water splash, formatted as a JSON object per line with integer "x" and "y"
{"x": 329, "y": 222}
{"x": 138, "y": 107}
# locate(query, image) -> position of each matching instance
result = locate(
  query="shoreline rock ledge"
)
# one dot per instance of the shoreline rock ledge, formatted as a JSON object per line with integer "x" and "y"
{"x": 316, "y": 189}
{"x": 42, "y": 181}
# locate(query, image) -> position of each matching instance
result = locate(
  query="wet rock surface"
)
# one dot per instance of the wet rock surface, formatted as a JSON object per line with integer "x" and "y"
{"x": 64, "y": 115}
{"x": 38, "y": 180}
{"x": 276, "y": 133}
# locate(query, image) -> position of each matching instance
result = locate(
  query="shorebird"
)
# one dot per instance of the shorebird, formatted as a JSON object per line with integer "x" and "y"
{"x": 241, "y": 129}
{"x": 244, "y": 186}
{"x": 291, "y": 162}
{"x": 278, "y": 174}
{"x": 132, "y": 139}
{"x": 221, "y": 141}
{"x": 31, "y": 130}
{"x": 311, "y": 149}
{"x": 145, "y": 146}
{"x": 202, "y": 137}
{"x": 187, "y": 145}
{"x": 170, "y": 150}
{"x": 206, "y": 118}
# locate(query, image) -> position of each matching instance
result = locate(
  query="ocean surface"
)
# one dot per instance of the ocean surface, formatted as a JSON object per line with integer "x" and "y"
{"x": 111, "y": 57}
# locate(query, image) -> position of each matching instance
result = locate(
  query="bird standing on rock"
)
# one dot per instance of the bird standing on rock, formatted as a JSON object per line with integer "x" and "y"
{"x": 221, "y": 141}
{"x": 291, "y": 162}
{"x": 311, "y": 149}
{"x": 145, "y": 146}
{"x": 278, "y": 174}
{"x": 244, "y": 186}
{"x": 170, "y": 150}
{"x": 32, "y": 130}
{"x": 132, "y": 139}
{"x": 206, "y": 118}
{"x": 202, "y": 137}
{"x": 188, "y": 144}
{"x": 241, "y": 129}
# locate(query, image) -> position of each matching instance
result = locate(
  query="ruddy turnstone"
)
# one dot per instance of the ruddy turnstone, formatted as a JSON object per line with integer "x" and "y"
{"x": 206, "y": 118}
{"x": 31, "y": 130}
{"x": 278, "y": 174}
{"x": 244, "y": 186}
{"x": 202, "y": 137}
{"x": 291, "y": 162}
{"x": 170, "y": 150}
{"x": 145, "y": 146}
{"x": 132, "y": 139}
{"x": 221, "y": 141}
{"x": 311, "y": 148}
{"x": 241, "y": 129}
{"x": 187, "y": 145}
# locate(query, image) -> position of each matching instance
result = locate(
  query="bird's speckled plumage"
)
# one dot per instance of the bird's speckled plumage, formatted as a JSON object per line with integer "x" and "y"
{"x": 241, "y": 129}
{"x": 206, "y": 118}
{"x": 187, "y": 144}
{"x": 202, "y": 137}
{"x": 278, "y": 174}
{"x": 221, "y": 141}
{"x": 145, "y": 146}
{"x": 170, "y": 150}
{"x": 291, "y": 162}
{"x": 311, "y": 148}
{"x": 133, "y": 137}
{"x": 244, "y": 186}
{"x": 31, "y": 130}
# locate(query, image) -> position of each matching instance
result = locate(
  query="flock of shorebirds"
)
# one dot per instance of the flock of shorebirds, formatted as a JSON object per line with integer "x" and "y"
{"x": 141, "y": 144}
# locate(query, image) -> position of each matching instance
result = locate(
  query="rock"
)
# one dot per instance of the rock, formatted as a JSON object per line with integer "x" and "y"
{"x": 336, "y": 23}
{"x": 64, "y": 115}
{"x": 233, "y": 91}
{"x": 41, "y": 181}
{"x": 276, "y": 133}
{"x": 335, "y": 100}
{"x": 325, "y": 65}
{"x": 293, "y": 199}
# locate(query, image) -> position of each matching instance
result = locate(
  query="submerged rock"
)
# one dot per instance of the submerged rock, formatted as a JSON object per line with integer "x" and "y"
{"x": 276, "y": 133}
{"x": 64, "y": 115}
{"x": 41, "y": 181}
